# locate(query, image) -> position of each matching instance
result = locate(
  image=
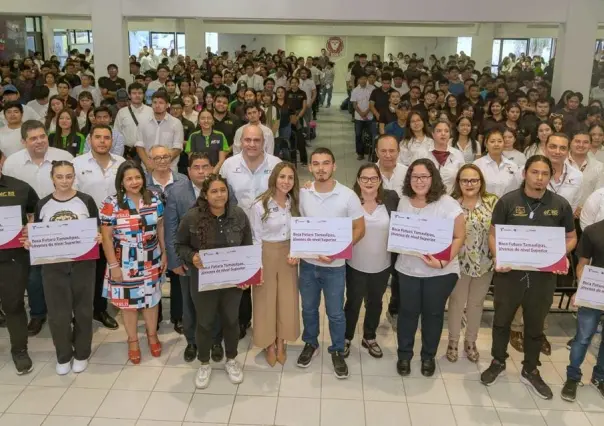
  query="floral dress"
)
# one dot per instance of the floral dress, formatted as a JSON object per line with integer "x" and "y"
{"x": 137, "y": 250}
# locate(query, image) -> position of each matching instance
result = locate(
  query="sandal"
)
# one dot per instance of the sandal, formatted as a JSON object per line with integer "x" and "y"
{"x": 134, "y": 355}
{"x": 472, "y": 352}
{"x": 372, "y": 347}
{"x": 452, "y": 352}
{"x": 154, "y": 348}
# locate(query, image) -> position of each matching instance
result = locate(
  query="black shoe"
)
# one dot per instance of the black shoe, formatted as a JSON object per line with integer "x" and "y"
{"x": 569, "y": 344}
{"x": 569, "y": 391}
{"x": 308, "y": 353}
{"x": 490, "y": 375}
{"x": 372, "y": 347}
{"x": 546, "y": 347}
{"x": 346, "y": 352}
{"x": 106, "y": 320}
{"x": 2, "y": 318}
{"x": 23, "y": 362}
{"x": 217, "y": 353}
{"x": 339, "y": 365}
{"x": 599, "y": 385}
{"x": 360, "y": 157}
{"x": 534, "y": 380}
{"x": 428, "y": 367}
{"x": 190, "y": 353}
{"x": 403, "y": 367}
{"x": 35, "y": 326}
{"x": 243, "y": 330}
{"x": 178, "y": 327}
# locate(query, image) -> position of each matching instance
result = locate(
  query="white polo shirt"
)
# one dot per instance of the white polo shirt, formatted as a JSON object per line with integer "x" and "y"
{"x": 269, "y": 138}
{"x": 308, "y": 86}
{"x": 361, "y": 95}
{"x": 593, "y": 176}
{"x": 340, "y": 202}
{"x": 396, "y": 181}
{"x": 247, "y": 184}
{"x": 569, "y": 185}
{"x": 500, "y": 179}
{"x": 125, "y": 124}
{"x": 20, "y": 166}
{"x": 409, "y": 148}
{"x": 448, "y": 172}
{"x": 92, "y": 179}
{"x": 255, "y": 82}
{"x": 593, "y": 209}
{"x": 10, "y": 140}
{"x": 277, "y": 225}
{"x": 168, "y": 132}
{"x": 516, "y": 156}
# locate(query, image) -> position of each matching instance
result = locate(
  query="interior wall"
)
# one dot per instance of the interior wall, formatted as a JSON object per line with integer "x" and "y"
{"x": 232, "y": 42}
{"x": 312, "y": 45}
{"x": 423, "y": 46}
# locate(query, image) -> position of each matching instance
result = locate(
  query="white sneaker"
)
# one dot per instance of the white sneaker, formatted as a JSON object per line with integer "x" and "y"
{"x": 63, "y": 369}
{"x": 79, "y": 365}
{"x": 234, "y": 371}
{"x": 202, "y": 378}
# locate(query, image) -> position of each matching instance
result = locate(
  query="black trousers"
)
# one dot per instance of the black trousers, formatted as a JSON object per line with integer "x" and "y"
{"x": 100, "y": 303}
{"x": 535, "y": 292}
{"x": 315, "y": 105}
{"x": 426, "y": 297}
{"x": 13, "y": 281}
{"x": 225, "y": 303}
{"x": 69, "y": 290}
{"x": 369, "y": 288}
{"x": 245, "y": 308}
{"x": 394, "y": 288}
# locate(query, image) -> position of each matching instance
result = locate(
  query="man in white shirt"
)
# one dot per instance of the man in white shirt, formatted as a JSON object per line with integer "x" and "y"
{"x": 11, "y": 93}
{"x": 592, "y": 169}
{"x": 160, "y": 129}
{"x": 39, "y": 104}
{"x": 326, "y": 198}
{"x": 247, "y": 173}
{"x": 146, "y": 62}
{"x": 252, "y": 113}
{"x": 10, "y": 135}
{"x": 308, "y": 86}
{"x": 86, "y": 86}
{"x": 163, "y": 73}
{"x": 128, "y": 118}
{"x": 597, "y": 93}
{"x": 102, "y": 115}
{"x": 363, "y": 118}
{"x": 95, "y": 174}
{"x": 252, "y": 80}
{"x": 399, "y": 83}
{"x": 279, "y": 77}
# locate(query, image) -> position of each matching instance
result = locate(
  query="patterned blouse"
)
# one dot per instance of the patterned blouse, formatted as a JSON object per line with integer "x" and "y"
{"x": 475, "y": 259}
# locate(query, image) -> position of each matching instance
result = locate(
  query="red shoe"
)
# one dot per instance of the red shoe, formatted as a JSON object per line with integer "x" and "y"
{"x": 134, "y": 355}
{"x": 154, "y": 348}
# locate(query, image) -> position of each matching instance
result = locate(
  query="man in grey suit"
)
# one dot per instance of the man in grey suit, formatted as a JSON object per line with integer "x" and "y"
{"x": 180, "y": 197}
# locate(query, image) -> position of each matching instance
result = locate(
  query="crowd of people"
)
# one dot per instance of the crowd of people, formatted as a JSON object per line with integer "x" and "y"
{"x": 193, "y": 156}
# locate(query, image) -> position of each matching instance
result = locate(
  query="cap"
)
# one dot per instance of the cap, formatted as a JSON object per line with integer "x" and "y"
{"x": 121, "y": 95}
{"x": 9, "y": 88}
{"x": 241, "y": 85}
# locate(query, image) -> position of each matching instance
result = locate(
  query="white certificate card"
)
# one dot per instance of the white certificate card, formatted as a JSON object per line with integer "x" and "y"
{"x": 312, "y": 237}
{"x": 11, "y": 227}
{"x": 421, "y": 235}
{"x": 591, "y": 288}
{"x": 531, "y": 248}
{"x": 230, "y": 267}
{"x": 63, "y": 241}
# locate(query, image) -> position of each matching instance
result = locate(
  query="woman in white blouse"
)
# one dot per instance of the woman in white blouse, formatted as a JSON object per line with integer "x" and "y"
{"x": 368, "y": 270}
{"x": 510, "y": 138}
{"x": 417, "y": 139}
{"x": 463, "y": 141}
{"x": 501, "y": 175}
{"x": 426, "y": 281}
{"x": 276, "y": 312}
{"x": 537, "y": 147}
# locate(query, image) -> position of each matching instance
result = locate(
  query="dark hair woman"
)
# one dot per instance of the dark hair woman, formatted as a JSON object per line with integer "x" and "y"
{"x": 67, "y": 135}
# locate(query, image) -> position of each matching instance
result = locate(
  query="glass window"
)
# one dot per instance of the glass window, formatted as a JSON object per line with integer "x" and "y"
{"x": 38, "y": 23}
{"x": 541, "y": 47}
{"x": 138, "y": 39}
{"x": 180, "y": 44}
{"x": 30, "y": 24}
{"x": 31, "y": 44}
{"x": 71, "y": 35}
{"x": 60, "y": 46}
{"x": 495, "y": 57}
{"x": 81, "y": 37}
{"x": 212, "y": 41}
{"x": 161, "y": 41}
{"x": 464, "y": 44}
{"x": 515, "y": 46}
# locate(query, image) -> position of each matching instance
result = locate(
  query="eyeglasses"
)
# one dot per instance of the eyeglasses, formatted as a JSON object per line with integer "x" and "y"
{"x": 423, "y": 178}
{"x": 372, "y": 179}
{"x": 466, "y": 182}
{"x": 162, "y": 158}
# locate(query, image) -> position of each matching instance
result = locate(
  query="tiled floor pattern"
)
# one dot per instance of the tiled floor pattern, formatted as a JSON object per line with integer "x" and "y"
{"x": 160, "y": 391}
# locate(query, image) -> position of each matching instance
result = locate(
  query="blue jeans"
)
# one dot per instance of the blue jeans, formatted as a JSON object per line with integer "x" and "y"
{"x": 587, "y": 325}
{"x": 35, "y": 293}
{"x": 332, "y": 280}
{"x": 189, "y": 316}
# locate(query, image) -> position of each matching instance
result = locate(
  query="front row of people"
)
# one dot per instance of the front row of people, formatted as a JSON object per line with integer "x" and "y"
{"x": 138, "y": 250}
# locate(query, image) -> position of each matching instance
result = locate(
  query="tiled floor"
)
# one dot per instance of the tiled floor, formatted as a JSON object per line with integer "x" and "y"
{"x": 160, "y": 391}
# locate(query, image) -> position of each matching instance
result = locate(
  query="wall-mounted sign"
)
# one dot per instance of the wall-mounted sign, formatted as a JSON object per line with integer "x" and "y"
{"x": 335, "y": 46}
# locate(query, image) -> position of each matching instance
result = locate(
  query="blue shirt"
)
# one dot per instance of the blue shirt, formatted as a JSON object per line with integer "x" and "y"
{"x": 456, "y": 89}
{"x": 395, "y": 130}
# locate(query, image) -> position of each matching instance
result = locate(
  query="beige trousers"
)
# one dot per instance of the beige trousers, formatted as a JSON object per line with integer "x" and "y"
{"x": 276, "y": 301}
{"x": 469, "y": 293}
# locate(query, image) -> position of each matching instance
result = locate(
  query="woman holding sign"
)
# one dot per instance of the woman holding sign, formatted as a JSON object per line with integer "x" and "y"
{"x": 276, "y": 305}
{"x": 212, "y": 224}
{"x": 426, "y": 282}
{"x": 475, "y": 260}
{"x": 68, "y": 286}
{"x": 133, "y": 242}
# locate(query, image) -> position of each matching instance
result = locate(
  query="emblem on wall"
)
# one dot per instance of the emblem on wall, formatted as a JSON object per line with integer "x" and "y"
{"x": 335, "y": 46}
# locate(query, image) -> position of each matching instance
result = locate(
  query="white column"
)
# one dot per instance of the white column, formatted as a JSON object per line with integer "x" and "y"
{"x": 575, "y": 48}
{"x": 195, "y": 38}
{"x": 110, "y": 37}
{"x": 482, "y": 45}
{"x": 48, "y": 37}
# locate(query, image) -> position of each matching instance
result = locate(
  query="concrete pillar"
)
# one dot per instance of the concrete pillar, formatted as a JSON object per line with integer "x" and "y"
{"x": 195, "y": 38}
{"x": 110, "y": 37}
{"x": 482, "y": 45}
{"x": 575, "y": 48}
{"x": 48, "y": 37}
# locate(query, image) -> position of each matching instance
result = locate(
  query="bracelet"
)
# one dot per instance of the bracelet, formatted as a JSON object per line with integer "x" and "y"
{"x": 114, "y": 265}
{"x": 441, "y": 264}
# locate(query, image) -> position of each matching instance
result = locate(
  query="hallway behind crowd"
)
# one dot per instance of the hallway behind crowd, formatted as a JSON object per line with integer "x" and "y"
{"x": 179, "y": 157}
